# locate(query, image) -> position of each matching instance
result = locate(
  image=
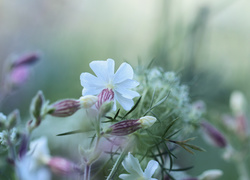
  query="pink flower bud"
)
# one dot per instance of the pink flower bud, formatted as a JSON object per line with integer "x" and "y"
{"x": 106, "y": 95}
{"x": 124, "y": 128}
{"x": 241, "y": 122}
{"x": 61, "y": 166}
{"x": 65, "y": 108}
{"x": 26, "y": 59}
{"x": 213, "y": 135}
{"x": 19, "y": 75}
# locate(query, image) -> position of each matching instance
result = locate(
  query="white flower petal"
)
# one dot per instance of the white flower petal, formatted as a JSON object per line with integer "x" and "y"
{"x": 124, "y": 102}
{"x": 127, "y": 93}
{"x": 89, "y": 80}
{"x": 39, "y": 147}
{"x": 132, "y": 165}
{"x": 91, "y": 91}
{"x": 128, "y": 176}
{"x": 150, "y": 169}
{"x": 111, "y": 68}
{"x": 125, "y": 71}
{"x": 128, "y": 83}
{"x": 101, "y": 68}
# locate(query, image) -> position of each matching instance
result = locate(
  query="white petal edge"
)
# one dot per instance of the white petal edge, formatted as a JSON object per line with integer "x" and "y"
{"x": 128, "y": 83}
{"x": 128, "y": 176}
{"x": 132, "y": 165}
{"x": 125, "y": 71}
{"x": 151, "y": 168}
{"x": 100, "y": 68}
{"x": 127, "y": 93}
{"x": 89, "y": 80}
{"x": 124, "y": 102}
{"x": 91, "y": 91}
{"x": 110, "y": 68}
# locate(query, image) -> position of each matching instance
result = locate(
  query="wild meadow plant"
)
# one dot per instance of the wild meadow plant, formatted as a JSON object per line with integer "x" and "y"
{"x": 139, "y": 122}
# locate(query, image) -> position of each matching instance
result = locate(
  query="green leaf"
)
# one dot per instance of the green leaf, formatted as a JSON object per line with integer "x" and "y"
{"x": 170, "y": 125}
{"x": 71, "y": 132}
{"x": 133, "y": 108}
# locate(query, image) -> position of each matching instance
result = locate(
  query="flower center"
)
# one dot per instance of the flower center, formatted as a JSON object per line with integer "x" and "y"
{"x": 110, "y": 85}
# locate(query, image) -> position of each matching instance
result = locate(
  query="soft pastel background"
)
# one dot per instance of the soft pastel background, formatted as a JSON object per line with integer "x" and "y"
{"x": 207, "y": 42}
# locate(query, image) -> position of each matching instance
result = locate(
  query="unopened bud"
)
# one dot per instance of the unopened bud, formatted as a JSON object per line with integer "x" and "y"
{"x": 12, "y": 119}
{"x": 36, "y": 105}
{"x": 213, "y": 135}
{"x": 26, "y": 59}
{"x": 3, "y": 119}
{"x": 147, "y": 121}
{"x": 241, "y": 122}
{"x": 123, "y": 128}
{"x": 89, "y": 155}
{"x": 88, "y": 101}
{"x": 65, "y": 108}
{"x": 212, "y": 174}
{"x": 61, "y": 166}
{"x": 106, "y": 95}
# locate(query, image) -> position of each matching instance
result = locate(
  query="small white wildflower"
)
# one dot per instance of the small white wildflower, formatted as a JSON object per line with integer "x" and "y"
{"x": 212, "y": 174}
{"x": 32, "y": 165}
{"x": 132, "y": 165}
{"x": 39, "y": 151}
{"x": 120, "y": 82}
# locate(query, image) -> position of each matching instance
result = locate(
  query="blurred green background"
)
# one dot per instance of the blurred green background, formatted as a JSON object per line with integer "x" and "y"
{"x": 207, "y": 42}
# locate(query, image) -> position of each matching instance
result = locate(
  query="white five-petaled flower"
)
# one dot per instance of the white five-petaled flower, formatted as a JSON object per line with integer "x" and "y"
{"x": 132, "y": 165}
{"x": 120, "y": 82}
{"x": 32, "y": 165}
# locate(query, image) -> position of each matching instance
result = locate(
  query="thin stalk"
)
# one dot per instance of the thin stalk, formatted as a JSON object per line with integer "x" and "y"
{"x": 87, "y": 172}
{"x": 242, "y": 169}
{"x": 118, "y": 162}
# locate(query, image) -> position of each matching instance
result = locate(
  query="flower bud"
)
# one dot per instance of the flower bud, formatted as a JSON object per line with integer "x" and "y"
{"x": 61, "y": 166}
{"x": 147, "y": 121}
{"x": 3, "y": 119}
{"x": 13, "y": 118}
{"x": 213, "y": 135}
{"x": 90, "y": 155}
{"x": 123, "y": 128}
{"x": 106, "y": 95}
{"x": 65, "y": 108}
{"x": 88, "y": 101}
{"x": 241, "y": 122}
{"x": 25, "y": 60}
{"x": 36, "y": 105}
{"x": 212, "y": 174}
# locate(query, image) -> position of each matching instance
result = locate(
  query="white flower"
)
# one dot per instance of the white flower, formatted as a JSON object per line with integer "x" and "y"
{"x": 32, "y": 165}
{"x": 120, "y": 82}
{"x": 132, "y": 165}
{"x": 211, "y": 174}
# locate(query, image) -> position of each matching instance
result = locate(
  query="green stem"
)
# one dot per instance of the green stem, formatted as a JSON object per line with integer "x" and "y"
{"x": 118, "y": 163}
{"x": 87, "y": 172}
{"x": 242, "y": 169}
